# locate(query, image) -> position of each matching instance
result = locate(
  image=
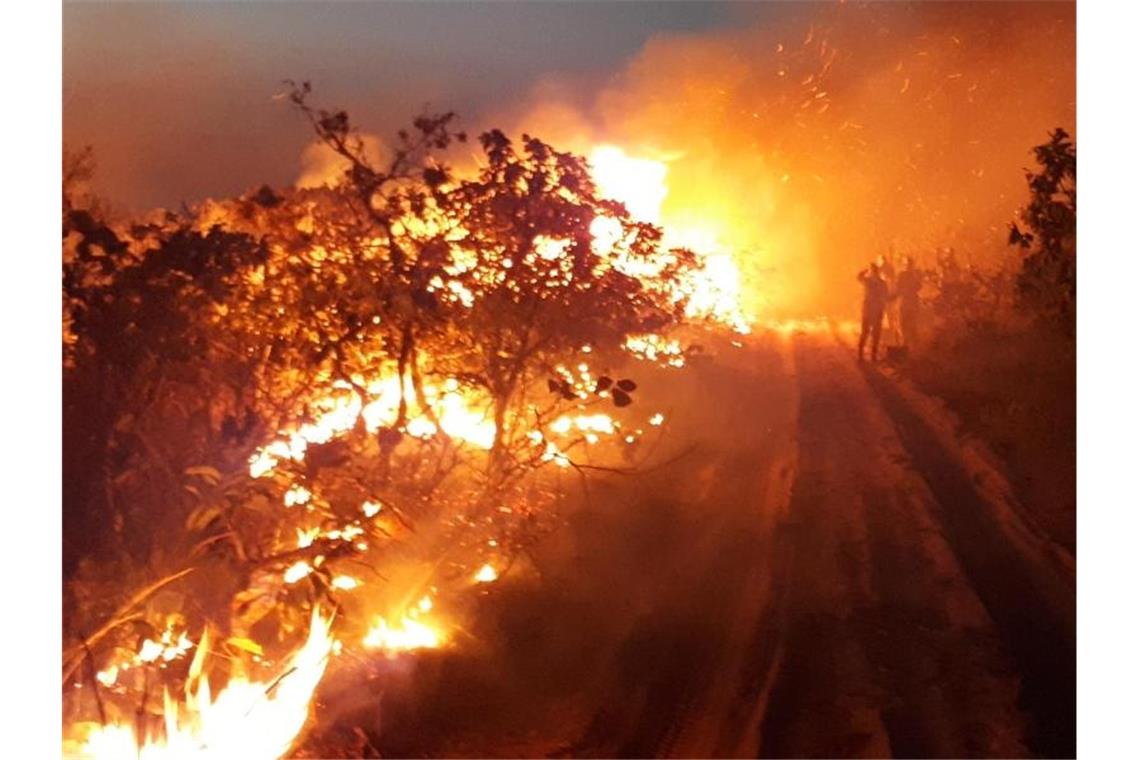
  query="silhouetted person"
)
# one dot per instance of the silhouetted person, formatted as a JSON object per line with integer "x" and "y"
{"x": 891, "y": 313}
{"x": 909, "y": 284}
{"x": 874, "y": 303}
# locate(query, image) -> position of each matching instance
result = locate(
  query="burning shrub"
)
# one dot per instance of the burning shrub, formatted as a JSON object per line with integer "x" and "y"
{"x": 326, "y": 387}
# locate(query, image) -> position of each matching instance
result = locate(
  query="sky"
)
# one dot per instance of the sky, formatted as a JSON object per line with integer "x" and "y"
{"x": 177, "y": 97}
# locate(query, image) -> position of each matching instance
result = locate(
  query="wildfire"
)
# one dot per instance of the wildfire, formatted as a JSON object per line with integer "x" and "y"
{"x": 345, "y": 582}
{"x": 639, "y": 183}
{"x": 654, "y": 348}
{"x": 297, "y": 571}
{"x": 409, "y": 632}
{"x": 461, "y": 416}
{"x": 405, "y": 635}
{"x": 167, "y": 648}
{"x": 714, "y": 291}
{"x": 252, "y": 719}
{"x": 786, "y": 328}
{"x": 486, "y": 574}
{"x": 246, "y": 719}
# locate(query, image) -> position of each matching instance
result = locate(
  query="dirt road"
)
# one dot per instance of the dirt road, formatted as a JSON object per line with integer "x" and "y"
{"x": 822, "y": 575}
{"x": 908, "y": 626}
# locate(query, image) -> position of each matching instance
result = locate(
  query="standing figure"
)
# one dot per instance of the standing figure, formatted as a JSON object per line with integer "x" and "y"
{"x": 874, "y": 303}
{"x": 891, "y": 312}
{"x": 907, "y": 289}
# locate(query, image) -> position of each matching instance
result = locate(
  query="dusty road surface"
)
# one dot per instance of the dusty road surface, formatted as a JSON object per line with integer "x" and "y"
{"x": 820, "y": 572}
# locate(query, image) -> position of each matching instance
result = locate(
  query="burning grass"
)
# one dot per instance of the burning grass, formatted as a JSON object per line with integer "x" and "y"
{"x": 260, "y": 716}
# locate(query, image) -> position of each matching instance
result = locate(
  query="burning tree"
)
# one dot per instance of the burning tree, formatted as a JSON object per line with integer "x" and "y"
{"x": 322, "y": 386}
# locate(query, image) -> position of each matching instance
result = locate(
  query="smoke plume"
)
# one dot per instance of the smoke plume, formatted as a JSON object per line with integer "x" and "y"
{"x": 847, "y": 132}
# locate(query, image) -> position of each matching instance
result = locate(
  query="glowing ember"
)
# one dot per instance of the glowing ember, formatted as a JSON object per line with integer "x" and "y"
{"x": 486, "y": 574}
{"x": 550, "y": 248}
{"x": 600, "y": 423}
{"x": 167, "y": 648}
{"x": 654, "y": 348}
{"x": 553, "y": 454}
{"x": 297, "y": 495}
{"x": 246, "y": 719}
{"x": 593, "y": 423}
{"x": 297, "y": 571}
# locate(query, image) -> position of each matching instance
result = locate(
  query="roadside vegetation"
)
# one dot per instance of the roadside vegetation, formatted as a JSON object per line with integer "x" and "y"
{"x": 1001, "y": 348}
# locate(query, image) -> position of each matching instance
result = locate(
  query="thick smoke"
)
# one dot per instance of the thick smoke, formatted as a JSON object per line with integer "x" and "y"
{"x": 321, "y": 165}
{"x": 845, "y": 132}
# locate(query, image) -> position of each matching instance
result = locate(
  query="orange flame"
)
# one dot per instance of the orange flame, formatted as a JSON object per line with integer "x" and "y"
{"x": 247, "y": 719}
{"x": 714, "y": 291}
{"x": 407, "y": 633}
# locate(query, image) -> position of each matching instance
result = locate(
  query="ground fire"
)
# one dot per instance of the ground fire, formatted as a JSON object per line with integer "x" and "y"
{"x": 246, "y": 718}
{"x": 483, "y": 445}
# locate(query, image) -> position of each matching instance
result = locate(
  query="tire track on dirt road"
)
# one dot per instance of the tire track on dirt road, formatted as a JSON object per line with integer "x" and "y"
{"x": 823, "y": 576}
{"x": 888, "y": 649}
{"x": 674, "y": 674}
{"x": 1029, "y": 594}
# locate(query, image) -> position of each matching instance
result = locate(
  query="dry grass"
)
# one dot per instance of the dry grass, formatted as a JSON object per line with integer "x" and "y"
{"x": 1015, "y": 389}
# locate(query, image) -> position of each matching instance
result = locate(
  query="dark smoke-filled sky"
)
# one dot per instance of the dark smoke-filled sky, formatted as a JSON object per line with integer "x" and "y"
{"x": 176, "y": 97}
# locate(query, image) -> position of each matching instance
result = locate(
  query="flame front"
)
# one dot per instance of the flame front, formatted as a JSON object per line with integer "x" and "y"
{"x": 639, "y": 183}
{"x": 713, "y": 291}
{"x": 405, "y": 635}
{"x": 247, "y": 719}
{"x": 409, "y": 632}
{"x": 252, "y": 719}
{"x": 462, "y": 417}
